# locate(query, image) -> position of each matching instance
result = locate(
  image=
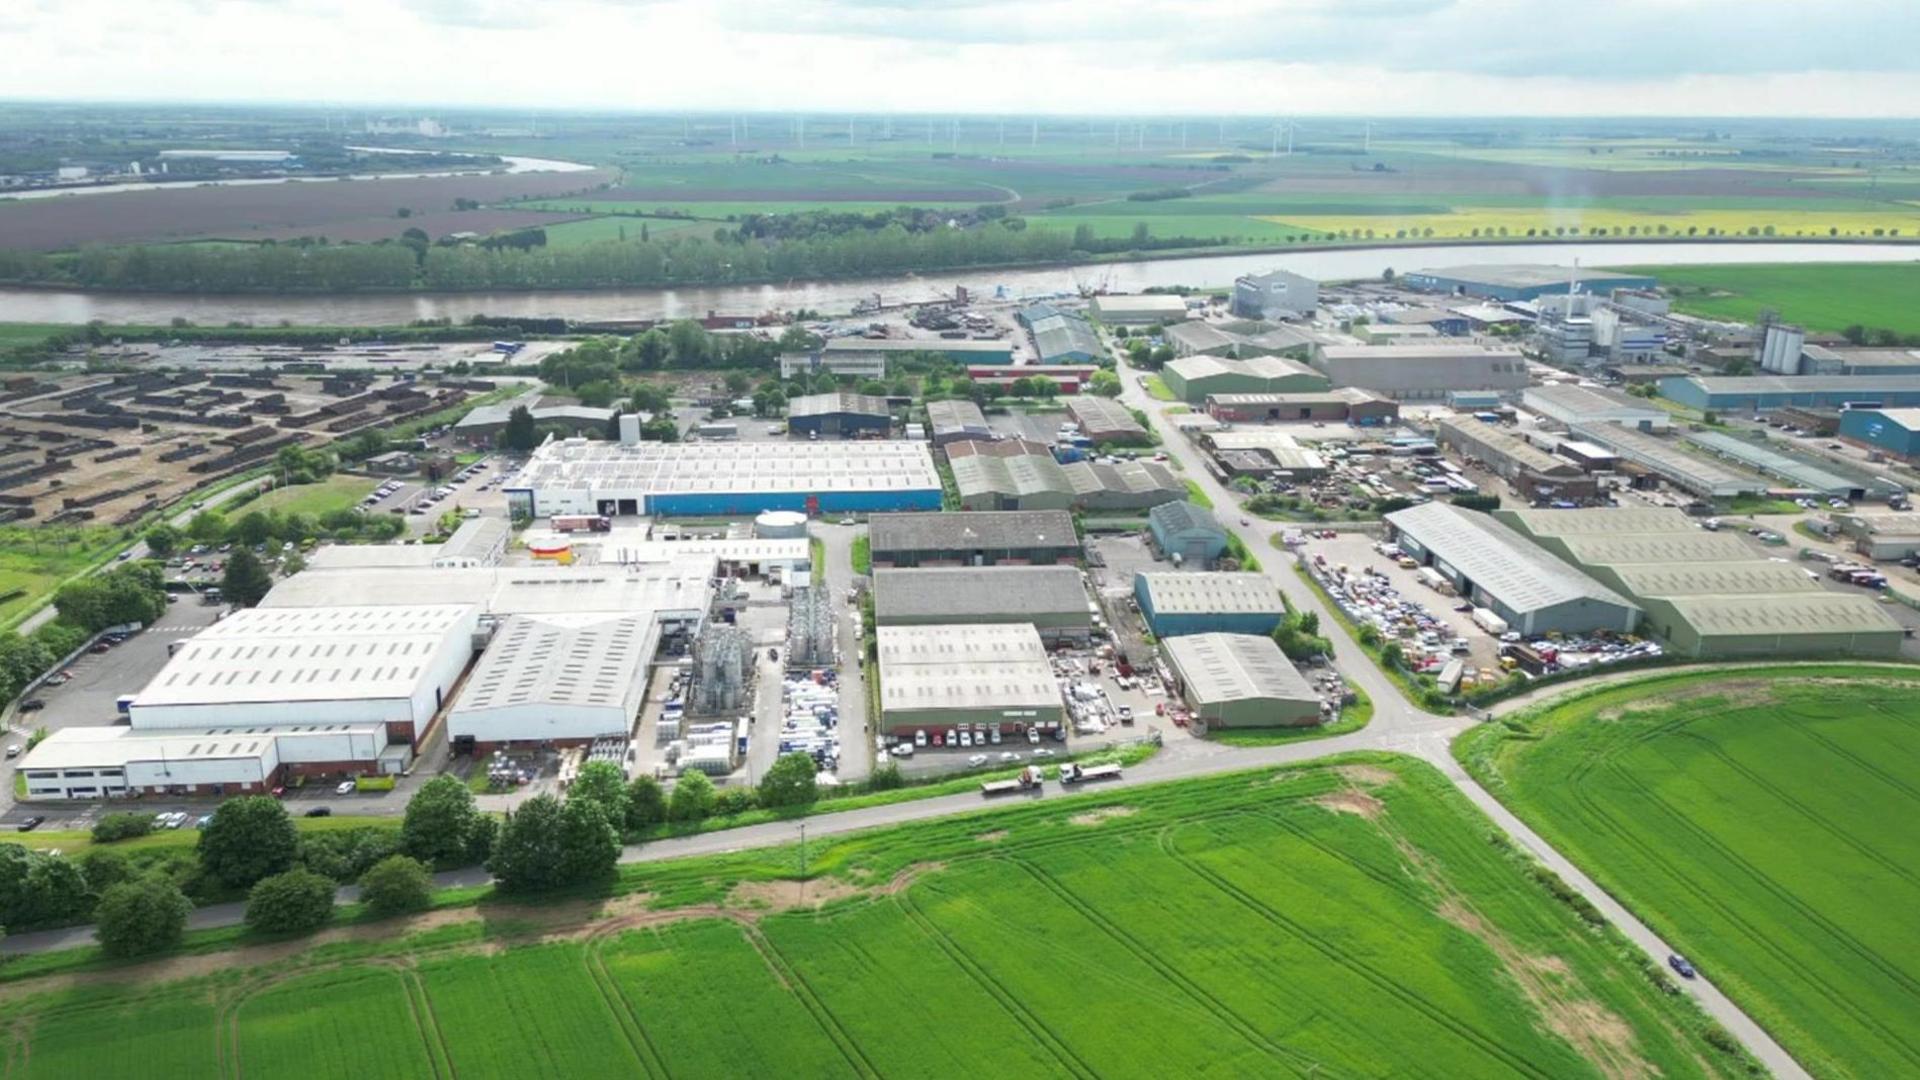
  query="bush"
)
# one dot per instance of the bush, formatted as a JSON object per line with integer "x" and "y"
{"x": 123, "y": 826}
{"x": 248, "y": 839}
{"x": 345, "y": 854}
{"x": 288, "y": 903}
{"x": 373, "y": 783}
{"x": 103, "y": 869}
{"x": 732, "y": 801}
{"x": 693, "y": 797}
{"x": 790, "y": 782}
{"x": 886, "y": 778}
{"x": 646, "y": 803}
{"x": 395, "y": 885}
{"x": 138, "y": 918}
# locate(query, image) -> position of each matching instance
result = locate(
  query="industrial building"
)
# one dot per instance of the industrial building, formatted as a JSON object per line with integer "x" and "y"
{"x": 354, "y": 665}
{"x": 1192, "y": 378}
{"x": 1139, "y": 310}
{"x": 560, "y": 679}
{"x": 1441, "y": 321}
{"x": 1532, "y": 471}
{"x": 1893, "y": 432}
{"x": 1180, "y": 602}
{"x": 861, "y": 365}
{"x": 1239, "y": 681}
{"x": 1065, "y": 338}
{"x": 1765, "y": 393}
{"x": 773, "y": 557}
{"x": 1883, "y": 535}
{"x": 1052, "y": 599}
{"x": 1708, "y": 594}
{"x": 939, "y": 677}
{"x": 1187, "y": 533}
{"x": 1362, "y": 408}
{"x": 1798, "y": 471}
{"x": 1386, "y": 333}
{"x": 1520, "y": 281}
{"x": 710, "y": 479}
{"x": 1667, "y": 459}
{"x": 1568, "y": 404}
{"x": 480, "y": 541}
{"x": 119, "y": 762}
{"x": 1040, "y": 538}
{"x": 954, "y": 350}
{"x": 838, "y": 416}
{"x": 1282, "y": 449}
{"x": 1422, "y": 372}
{"x": 1499, "y": 569}
{"x": 676, "y": 592}
{"x": 1012, "y": 474}
{"x": 1128, "y": 485}
{"x": 1274, "y": 295}
{"x": 956, "y": 419}
{"x": 484, "y": 423}
{"x": 1105, "y": 420}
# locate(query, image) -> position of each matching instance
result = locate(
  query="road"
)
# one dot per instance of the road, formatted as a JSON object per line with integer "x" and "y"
{"x": 1397, "y": 727}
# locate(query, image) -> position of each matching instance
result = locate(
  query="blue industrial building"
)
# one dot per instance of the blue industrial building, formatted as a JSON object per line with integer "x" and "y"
{"x": 1765, "y": 393}
{"x": 1176, "y": 603}
{"x": 1520, "y": 281}
{"x": 1189, "y": 532}
{"x": 1894, "y": 432}
{"x": 749, "y": 503}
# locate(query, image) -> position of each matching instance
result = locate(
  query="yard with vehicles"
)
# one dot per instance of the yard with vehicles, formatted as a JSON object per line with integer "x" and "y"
{"x": 1748, "y": 816}
{"x": 1160, "y": 912}
{"x": 1829, "y": 298}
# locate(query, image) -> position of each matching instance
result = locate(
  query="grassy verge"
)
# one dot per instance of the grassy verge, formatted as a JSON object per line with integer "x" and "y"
{"x": 1409, "y": 687}
{"x": 1760, "y": 504}
{"x": 1196, "y": 496}
{"x": 1158, "y": 390}
{"x": 337, "y": 492}
{"x": 1352, "y": 718}
{"x": 862, "y": 554}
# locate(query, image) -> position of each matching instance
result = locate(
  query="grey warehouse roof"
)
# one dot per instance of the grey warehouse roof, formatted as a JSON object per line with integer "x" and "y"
{"x": 733, "y": 467}
{"x": 1715, "y": 579}
{"x": 962, "y": 666}
{"x": 955, "y": 415}
{"x": 1209, "y": 593}
{"x": 1816, "y": 612}
{"x": 1520, "y": 275}
{"x": 564, "y": 659}
{"x": 1001, "y": 529}
{"x": 1521, "y": 574}
{"x": 1017, "y": 592}
{"x": 1235, "y": 667}
{"x": 1180, "y": 516}
{"x": 824, "y": 404}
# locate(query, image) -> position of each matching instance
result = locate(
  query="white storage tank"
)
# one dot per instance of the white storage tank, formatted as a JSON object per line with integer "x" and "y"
{"x": 780, "y": 525}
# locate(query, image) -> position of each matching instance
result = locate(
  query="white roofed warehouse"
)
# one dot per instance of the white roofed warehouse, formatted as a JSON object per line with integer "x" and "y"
{"x": 1498, "y": 568}
{"x": 1240, "y": 681}
{"x": 564, "y": 679}
{"x": 1179, "y": 602}
{"x": 944, "y": 676}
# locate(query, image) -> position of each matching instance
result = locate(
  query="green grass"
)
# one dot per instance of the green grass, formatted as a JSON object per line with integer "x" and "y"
{"x": 862, "y": 554}
{"x": 1820, "y": 296}
{"x": 1760, "y": 504}
{"x": 337, "y": 492}
{"x": 74, "y": 841}
{"x": 1759, "y": 820}
{"x": 38, "y": 559}
{"x": 1198, "y": 496}
{"x": 1261, "y": 924}
{"x": 595, "y": 230}
{"x": 1352, "y": 718}
{"x": 1157, "y": 389}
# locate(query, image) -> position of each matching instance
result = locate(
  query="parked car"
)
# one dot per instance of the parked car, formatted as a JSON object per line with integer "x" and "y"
{"x": 33, "y": 823}
{"x": 976, "y": 760}
{"x": 345, "y": 787}
{"x": 32, "y": 704}
{"x": 320, "y": 811}
{"x": 13, "y": 750}
{"x": 1682, "y": 965}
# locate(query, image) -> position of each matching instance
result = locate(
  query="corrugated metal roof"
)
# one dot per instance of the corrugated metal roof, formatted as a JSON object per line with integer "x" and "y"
{"x": 956, "y": 591}
{"x": 1602, "y": 521}
{"x": 826, "y": 404}
{"x": 1218, "y": 668}
{"x": 965, "y": 666}
{"x": 1178, "y": 593}
{"x": 1184, "y": 516}
{"x": 1812, "y": 613}
{"x": 562, "y": 660}
{"x": 1632, "y": 548}
{"x": 1513, "y": 569}
{"x": 972, "y": 530}
{"x": 1668, "y": 458}
{"x": 1712, "y": 579}
{"x": 955, "y": 415}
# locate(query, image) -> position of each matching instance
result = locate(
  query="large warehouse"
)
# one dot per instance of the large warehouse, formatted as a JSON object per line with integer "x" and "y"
{"x": 1192, "y": 378}
{"x": 953, "y": 350}
{"x": 1240, "y": 681}
{"x": 940, "y": 677}
{"x": 1497, "y": 568}
{"x": 271, "y": 668}
{"x": 1894, "y": 432}
{"x": 1710, "y": 595}
{"x": 1765, "y": 393}
{"x": 575, "y": 476}
{"x": 116, "y": 762}
{"x": 1797, "y": 470}
{"x": 1052, "y": 599}
{"x": 1533, "y": 472}
{"x": 1105, "y": 420}
{"x": 1139, "y": 309}
{"x": 1427, "y": 372}
{"x": 562, "y": 679}
{"x": 952, "y": 421}
{"x": 1362, "y": 408}
{"x": 1567, "y": 404}
{"x": 1187, "y": 533}
{"x": 1015, "y": 474}
{"x": 1520, "y": 281}
{"x": 1065, "y": 338}
{"x": 838, "y": 416}
{"x": 1014, "y": 537}
{"x": 1670, "y": 461}
{"x": 1177, "y": 602}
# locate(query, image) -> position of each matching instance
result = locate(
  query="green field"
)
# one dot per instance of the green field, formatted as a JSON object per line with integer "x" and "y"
{"x": 1762, "y": 821}
{"x": 337, "y": 492}
{"x": 35, "y": 559}
{"x": 1340, "y": 920}
{"x": 1819, "y": 296}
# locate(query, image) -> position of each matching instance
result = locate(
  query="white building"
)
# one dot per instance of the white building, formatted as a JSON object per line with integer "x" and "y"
{"x": 1422, "y": 372}
{"x": 114, "y": 762}
{"x": 557, "y": 679}
{"x": 480, "y": 541}
{"x": 1277, "y": 294}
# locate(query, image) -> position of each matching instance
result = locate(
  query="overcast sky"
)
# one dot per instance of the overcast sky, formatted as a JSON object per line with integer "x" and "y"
{"x": 1259, "y": 57}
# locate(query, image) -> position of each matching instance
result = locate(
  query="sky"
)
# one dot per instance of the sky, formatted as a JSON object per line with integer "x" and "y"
{"x": 1125, "y": 57}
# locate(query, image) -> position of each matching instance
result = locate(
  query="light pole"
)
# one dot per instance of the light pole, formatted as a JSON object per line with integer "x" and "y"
{"x": 803, "y": 862}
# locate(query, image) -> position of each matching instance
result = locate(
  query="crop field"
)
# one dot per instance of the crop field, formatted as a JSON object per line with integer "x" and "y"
{"x": 1479, "y": 222}
{"x": 1759, "y": 820}
{"x": 1828, "y": 297}
{"x": 1345, "y": 919}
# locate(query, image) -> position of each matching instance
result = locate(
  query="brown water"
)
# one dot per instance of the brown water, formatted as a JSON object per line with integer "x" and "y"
{"x": 375, "y": 309}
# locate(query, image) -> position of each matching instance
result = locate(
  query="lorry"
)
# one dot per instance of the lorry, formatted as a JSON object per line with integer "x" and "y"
{"x": 508, "y": 348}
{"x": 1028, "y": 780}
{"x": 1485, "y": 619}
{"x": 1533, "y": 661}
{"x": 1449, "y": 679}
{"x": 1079, "y": 774}
{"x": 567, "y": 523}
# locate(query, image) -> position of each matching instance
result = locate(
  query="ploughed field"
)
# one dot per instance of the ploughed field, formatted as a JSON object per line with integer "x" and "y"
{"x": 1350, "y": 919}
{"x": 1762, "y": 820}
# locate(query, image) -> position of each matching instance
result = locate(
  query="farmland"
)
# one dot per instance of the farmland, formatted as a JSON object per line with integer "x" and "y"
{"x": 1135, "y": 934}
{"x": 1830, "y": 297}
{"x": 1757, "y": 820}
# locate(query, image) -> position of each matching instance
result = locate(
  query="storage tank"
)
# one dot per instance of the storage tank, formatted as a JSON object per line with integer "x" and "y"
{"x": 558, "y": 551}
{"x": 780, "y": 525}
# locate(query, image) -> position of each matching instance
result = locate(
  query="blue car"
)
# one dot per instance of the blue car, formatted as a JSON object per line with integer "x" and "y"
{"x": 1680, "y": 964}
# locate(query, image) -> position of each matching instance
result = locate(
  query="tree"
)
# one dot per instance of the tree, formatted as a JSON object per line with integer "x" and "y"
{"x": 122, "y": 826}
{"x": 289, "y": 903}
{"x": 589, "y": 844}
{"x": 208, "y": 527}
{"x": 439, "y": 822}
{"x": 738, "y": 383}
{"x": 603, "y": 785}
{"x": 1105, "y": 384}
{"x": 520, "y": 433}
{"x": 248, "y": 839}
{"x": 1387, "y": 275}
{"x": 244, "y": 582}
{"x": 103, "y": 868}
{"x": 253, "y": 529}
{"x": 163, "y": 539}
{"x": 692, "y": 797}
{"x": 395, "y": 885}
{"x": 36, "y": 887}
{"x": 646, "y": 803}
{"x": 141, "y": 917}
{"x": 790, "y": 782}
{"x": 1392, "y": 656}
{"x": 1855, "y": 334}
{"x": 526, "y": 856}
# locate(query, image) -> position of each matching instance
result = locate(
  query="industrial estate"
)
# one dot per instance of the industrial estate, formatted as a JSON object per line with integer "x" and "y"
{"x": 1479, "y": 669}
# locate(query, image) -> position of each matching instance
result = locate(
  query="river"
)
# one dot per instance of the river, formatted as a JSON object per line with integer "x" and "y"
{"x": 389, "y": 309}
